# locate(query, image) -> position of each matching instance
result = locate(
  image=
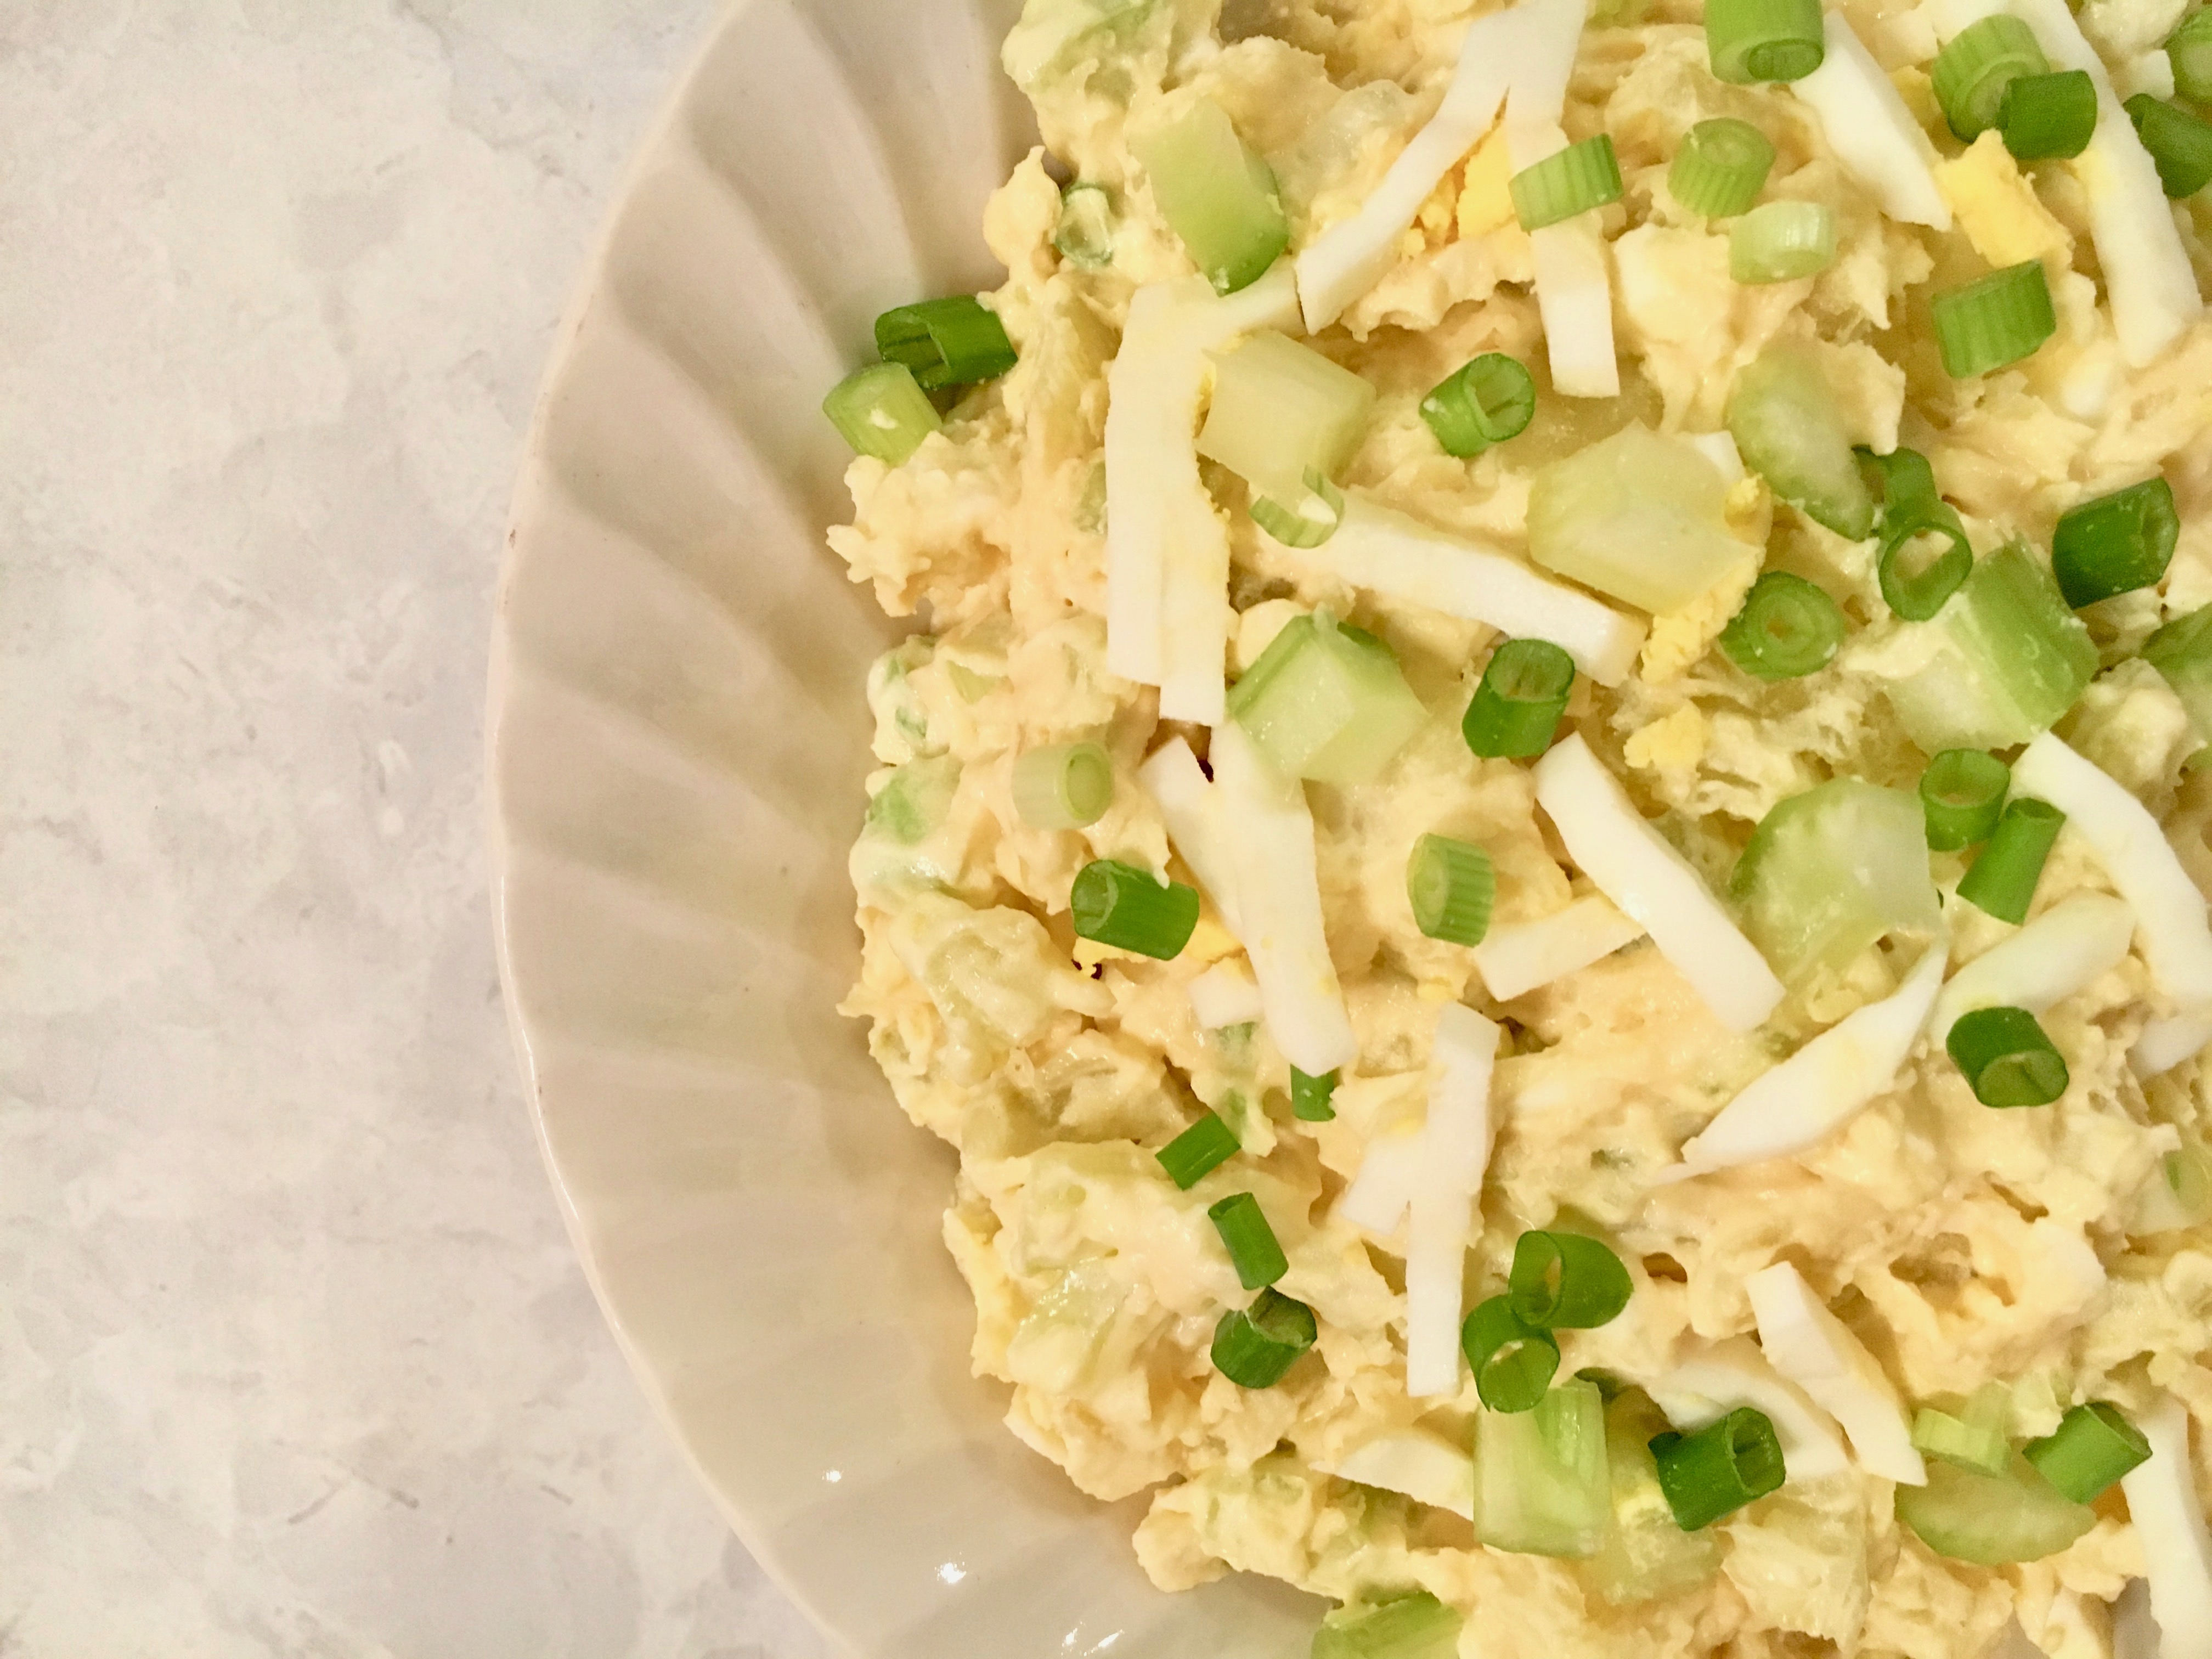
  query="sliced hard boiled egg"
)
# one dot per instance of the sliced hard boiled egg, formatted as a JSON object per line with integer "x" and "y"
{"x": 1424, "y": 1467}
{"x": 1707, "y": 1388}
{"x": 2065, "y": 950}
{"x": 2169, "y": 1523}
{"x": 1519, "y": 956}
{"x": 1872, "y": 132}
{"x": 1632, "y": 865}
{"x": 1819, "y": 1089}
{"x": 1815, "y": 1350}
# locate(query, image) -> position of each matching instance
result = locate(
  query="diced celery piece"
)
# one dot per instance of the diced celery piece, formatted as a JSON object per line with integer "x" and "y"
{"x": 1541, "y": 1480}
{"x": 1638, "y": 516}
{"x": 1830, "y": 871}
{"x": 1326, "y": 701}
{"x": 1972, "y": 1433}
{"x": 1646, "y": 1554}
{"x": 1783, "y": 416}
{"x": 1415, "y": 1626}
{"x": 914, "y": 799}
{"x": 2182, "y": 652}
{"x": 1280, "y": 408}
{"x": 2009, "y": 657}
{"x": 1216, "y": 194}
{"x": 1992, "y": 1520}
{"x": 1054, "y": 36}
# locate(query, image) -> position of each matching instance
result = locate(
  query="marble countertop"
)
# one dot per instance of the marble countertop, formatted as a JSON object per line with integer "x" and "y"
{"x": 295, "y": 1358}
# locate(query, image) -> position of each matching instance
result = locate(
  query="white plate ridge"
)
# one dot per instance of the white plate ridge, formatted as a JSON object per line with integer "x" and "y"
{"x": 677, "y": 737}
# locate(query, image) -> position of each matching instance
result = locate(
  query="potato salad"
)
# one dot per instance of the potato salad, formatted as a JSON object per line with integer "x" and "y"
{"x": 1545, "y": 840}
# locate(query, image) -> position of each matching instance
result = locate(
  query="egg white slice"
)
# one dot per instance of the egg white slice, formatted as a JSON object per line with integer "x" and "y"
{"x": 1179, "y": 787}
{"x": 1270, "y": 835}
{"x": 1871, "y": 131}
{"x": 1632, "y": 865}
{"x": 1350, "y": 257}
{"x": 2164, "y": 1043}
{"x": 1167, "y": 552}
{"x": 1815, "y": 1350}
{"x": 1225, "y": 994}
{"x": 1574, "y": 289}
{"x": 1454, "y": 1153}
{"x": 2170, "y": 914}
{"x": 1814, "y": 1092}
{"x": 1424, "y": 1467}
{"x": 1387, "y": 552}
{"x": 2169, "y": 1523}
{"x": 1517, "y": 958}
{"x": 1708, "y": 1387}
{"x": 1376, "y": 1200}
{"x": 2065, "y": 950}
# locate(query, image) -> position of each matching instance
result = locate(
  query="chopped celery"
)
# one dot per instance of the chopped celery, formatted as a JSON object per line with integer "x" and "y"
{"x": 1638, "y": 516}
{"x": 2009, "y": 659}
{"x": 1830, "y": 871}
{"x": 1971, "y": 1433}
{"x": 1085, "y": 236}
{"x": 1646, "y": 1554}
{"x": 914, "y": 799}
{"x": 1783, "y": 416}
{"x": 2182, "y": 652}
{"x": 1280, "y": 409}
{"x": 1415, "y": 1626}
{"x": 1541, "y": 1486}
{"x": 1054, "y": 37}
{"x": 1216, "y": 194}
{"x": 2177, "y": 1195}
{"x": 1326, "y": 701}
{"x": 1992, "y": 1520}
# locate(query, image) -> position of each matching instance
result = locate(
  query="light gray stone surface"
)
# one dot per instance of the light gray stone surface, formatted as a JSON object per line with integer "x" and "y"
{"x": 295, "y": 1358}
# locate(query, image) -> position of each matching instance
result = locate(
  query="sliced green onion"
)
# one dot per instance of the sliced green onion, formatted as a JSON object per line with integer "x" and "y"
{"x": 1963, "y": 793}
{"x": 1788, "y": 627}
{"x": 2093, "y": 1447}
{"x": 2047, "y": 116}
{"x": 882, "y": 411}
{"x": 2181, "y": 650}
{"x": 1764, "y": 39}
{"x": 1973, "y": 1436}
{"x": 1720, "y": 1468}
{"x": 1783, "y": 413}
{"x": 1415, "y": 1626}
{"x": 1253, "y": 1249}
{"x": 2008, "y": 1058}
{"x": 1480, "y": 403}
{"x": 2179, "y": 1195}
{"x": 1281, "y": 412}
{"x": 1513, "y": 1361}
{"x": 1121, "y": 905}
{"x": 1925, "y": 558}
{"x": 1254, "y": 1346}
{"x": 1782, "y": 241}
{"x": 1197, "y": 1150}
{"x": 1566, "y": 1282}
{"x": 1309, "y": 1097}
{"x": 1831, "y": 871}
{"x": 1216, "y": 194}
{"x": 1517, "y": 707}
{"x": 1084, "y": 237}
{"x": 2188, "y": 48}
{"x": 1326, "y": 700}
{"x": 1068, "y": 786}
{"x": 2010, "y": 659}
{"x": 1569, "y": 181}
{"x": 1540, "y": 1481}
{"x": 1451, "y": 887}
{"x": 2115, "y": 543}
{"x": 1992, "y": 1520}
{"x": 951, "y": 341}
{"x": 1900, "y": 479}
{"x": 2179, "y": 143}
{"x": 1316, "y": 518}
{"x": 1994, "y": 321}
{"x": 2003, "y": 880}
{"x": 1971, "y": 73}
{"x": 1721, "y": 168}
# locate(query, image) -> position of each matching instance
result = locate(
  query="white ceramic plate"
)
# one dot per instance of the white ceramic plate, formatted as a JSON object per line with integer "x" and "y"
{"x": 678, "y": 741}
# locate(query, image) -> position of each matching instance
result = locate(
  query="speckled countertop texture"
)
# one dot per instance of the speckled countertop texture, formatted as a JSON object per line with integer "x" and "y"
{"x": 295, "y": 1358}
